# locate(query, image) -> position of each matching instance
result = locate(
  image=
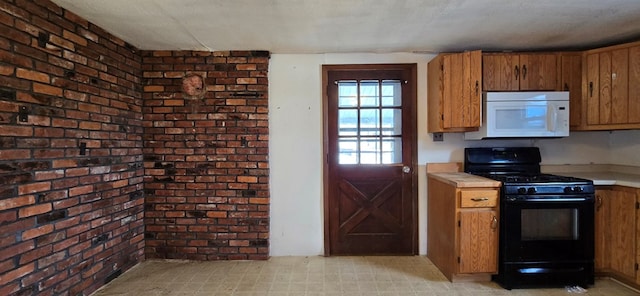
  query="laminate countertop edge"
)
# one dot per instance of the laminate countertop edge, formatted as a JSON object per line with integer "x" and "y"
{"x": 461, "y": 180}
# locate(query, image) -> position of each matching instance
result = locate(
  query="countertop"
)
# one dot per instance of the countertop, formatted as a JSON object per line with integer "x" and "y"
{"x": 461, "y": 180}
{"x": 601, "y": 175}
{"x": 606, "y": 178}
{"x": 599, "y": 178}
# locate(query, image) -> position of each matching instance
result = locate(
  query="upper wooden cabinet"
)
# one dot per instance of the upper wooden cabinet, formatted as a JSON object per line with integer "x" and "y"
{"x": 454, "y": 90}
{"x": 515, "y": 72}
{"x": 571, "y": 81}
{"x": 612, "y": 87}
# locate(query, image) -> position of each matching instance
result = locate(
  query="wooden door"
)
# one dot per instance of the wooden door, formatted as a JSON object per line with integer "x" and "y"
{"x": 478, "y": 241}
{"x": 622, "y": 233}
{"x": 593, "y": 89}
{"x": 604, "y": 104}
{"x": 601, "y": 258}
{"x": 571, "y": 81}
{"x": 370, "y": 171}
{"x": 461, "y": 93}
{"x": 619, "y": 86}
{"x": 634, "y": 84}
{"x": 500, "y": 72}
{"x": 538, "y": 72}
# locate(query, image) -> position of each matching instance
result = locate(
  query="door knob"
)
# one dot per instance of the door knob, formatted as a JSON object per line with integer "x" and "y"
{"x": 406, "y": 169}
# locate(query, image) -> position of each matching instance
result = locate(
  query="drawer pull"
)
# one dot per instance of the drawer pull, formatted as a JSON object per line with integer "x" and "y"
{"x": 494, "y": 223}
{"x": 480, "y": 199}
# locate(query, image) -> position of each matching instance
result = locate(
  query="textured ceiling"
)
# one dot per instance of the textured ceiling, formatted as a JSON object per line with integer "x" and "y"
{"x": 336, "y": 26}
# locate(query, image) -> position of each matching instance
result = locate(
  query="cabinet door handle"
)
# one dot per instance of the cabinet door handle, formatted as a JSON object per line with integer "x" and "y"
{"x": 598, "y": 202}
{"x": 480, "y": 199}
{"x": 477, "y": 87}
{"x": 566, "y": 86}
{"x": 517, "y": 72}
{"x": 494, "y": 223}
{"x": 524, "y": 71}
{"x": 591, "y": 88}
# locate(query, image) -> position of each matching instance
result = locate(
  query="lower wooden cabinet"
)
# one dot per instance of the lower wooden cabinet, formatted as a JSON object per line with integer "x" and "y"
{"x": 617, "y": 233}
{"x": 462, "y": 230}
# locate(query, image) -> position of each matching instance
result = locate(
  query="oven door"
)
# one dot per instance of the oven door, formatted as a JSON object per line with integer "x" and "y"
{"x": 543, "y": 229}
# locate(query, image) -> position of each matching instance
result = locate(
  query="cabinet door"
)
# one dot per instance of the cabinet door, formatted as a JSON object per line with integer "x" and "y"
{"x": 478, "y": 241}
{"x": 634, "y": 84}
{"x": 571, "y": 81}
{"x": 461, "y": 90}
{"x": 538, "y": 72}
{"x": 608, "y": 101}
{"x": 622, "y": 233}
{"x": 593, "y": 88}
{"x": 620, "y": 86}
{"x": 601, "y": 217}
{"x": 500, "y": 72}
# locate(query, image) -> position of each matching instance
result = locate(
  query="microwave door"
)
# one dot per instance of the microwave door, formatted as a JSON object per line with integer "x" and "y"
{"x": 521, "y": 119}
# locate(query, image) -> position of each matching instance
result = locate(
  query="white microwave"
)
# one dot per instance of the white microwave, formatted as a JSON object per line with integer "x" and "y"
{"x": 523, "y": 114}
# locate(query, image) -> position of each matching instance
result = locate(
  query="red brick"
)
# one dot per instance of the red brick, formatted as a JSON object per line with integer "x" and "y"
{"x": 47, "y": 89}
{"x": 34, "y": 188}
{"x": 32, "y": 75}
{"x": 34, "y": 210}
{"x": 17, "y": 273}
{"x": 15, "y": 202}
{"x": 14, "y": 250}
{"x": 14, "y": 154}
{"x": 35, "y": 232}
{"x": 74, "y": 38}
{"x": 16, "y": 131}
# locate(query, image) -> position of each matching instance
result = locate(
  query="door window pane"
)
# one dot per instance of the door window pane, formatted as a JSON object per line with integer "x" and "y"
{"x": 391, "y": 150}
{"x": 347, "y": 94}
{"x": 347, "y": 122}
{"x": 370, "y": 151}
{"x": 391, "y": 122}
{"x": 370, "y": 122}
{"x": 348, "y": 150}
{"x": 391, "y": 93}
{"x": 369, "y": 93}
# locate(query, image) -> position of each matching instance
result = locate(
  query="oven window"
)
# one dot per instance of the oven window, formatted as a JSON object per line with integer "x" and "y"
{"x": 549, "y": 224}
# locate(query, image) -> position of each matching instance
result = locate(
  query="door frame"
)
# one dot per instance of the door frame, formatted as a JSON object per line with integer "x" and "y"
{"x": 412, "y": 105}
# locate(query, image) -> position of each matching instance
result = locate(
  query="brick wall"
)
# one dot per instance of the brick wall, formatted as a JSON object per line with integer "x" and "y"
{"x": 206, "y": 160}
{"x": 71, "y": 175}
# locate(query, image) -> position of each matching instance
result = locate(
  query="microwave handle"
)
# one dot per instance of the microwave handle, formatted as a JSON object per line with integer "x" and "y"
{"x": 552, "y": 117}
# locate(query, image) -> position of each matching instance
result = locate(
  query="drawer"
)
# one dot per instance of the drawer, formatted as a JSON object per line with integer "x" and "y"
{"x": 478, "y": 198}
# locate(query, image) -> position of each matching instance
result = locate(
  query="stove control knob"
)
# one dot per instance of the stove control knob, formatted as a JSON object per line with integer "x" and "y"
{"x": 568, "y": 189}
{"x": 522, "y": 190}
{"x": 531, "y": 190}
{"x": 577, "y": 189}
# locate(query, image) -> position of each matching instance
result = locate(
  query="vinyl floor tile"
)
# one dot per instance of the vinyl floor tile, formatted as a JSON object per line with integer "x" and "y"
{"x": 315, "y": 276}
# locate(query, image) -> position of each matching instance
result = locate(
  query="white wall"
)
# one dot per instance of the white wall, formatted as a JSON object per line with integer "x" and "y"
{"x": 295, "y": 149}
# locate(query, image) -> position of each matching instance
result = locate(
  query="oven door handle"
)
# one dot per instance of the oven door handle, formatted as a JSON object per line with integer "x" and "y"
{"x": 557, "y": 199}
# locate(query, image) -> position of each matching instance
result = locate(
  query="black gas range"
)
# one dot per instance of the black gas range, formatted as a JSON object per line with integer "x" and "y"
{"x": 546, "y": 221}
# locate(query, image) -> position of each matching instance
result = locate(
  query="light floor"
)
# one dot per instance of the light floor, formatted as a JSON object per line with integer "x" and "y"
{"x": 314, "y": 276}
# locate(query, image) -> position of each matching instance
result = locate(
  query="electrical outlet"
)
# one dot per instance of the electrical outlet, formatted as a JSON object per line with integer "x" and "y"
{"x": 438, "y": 137}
